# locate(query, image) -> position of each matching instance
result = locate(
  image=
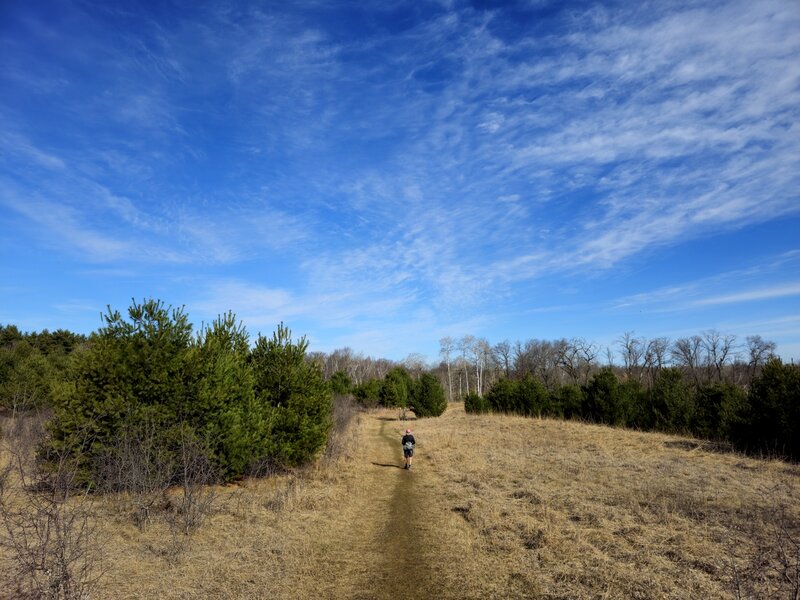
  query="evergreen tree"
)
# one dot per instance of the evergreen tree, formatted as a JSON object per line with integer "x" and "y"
{"x": 531, "y": 397}
{"x": 341, "y": 384}
{"x": 475, "y": 403}
{"x": 772, "y": 419}
{"x": 671, "y": 403}
{"x": 396, "y": 388}
{"x": 223, "y": 396}
{"x": 134, "y": 371}
{"x": 368, "y": 393}
{"x": 719, "y": 410}
{"x": 292, "y": 397}
{"x": 27, "y": 377}
{"x": 568, "y": 400}
{"x": 607, "y": 401}
{"x": 503, "y": 396}
{"x": 428, "y": 398}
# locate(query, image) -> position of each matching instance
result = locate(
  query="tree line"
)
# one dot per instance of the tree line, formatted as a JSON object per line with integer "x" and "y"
{"x": 710, "y": 384}
{"x": 32, "y": 364}
{"x": 763, "y": 418}
{"x": 470, "y": 364}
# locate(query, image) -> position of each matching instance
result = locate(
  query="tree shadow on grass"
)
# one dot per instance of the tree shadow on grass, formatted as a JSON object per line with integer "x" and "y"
{"x": 386, "y": 465}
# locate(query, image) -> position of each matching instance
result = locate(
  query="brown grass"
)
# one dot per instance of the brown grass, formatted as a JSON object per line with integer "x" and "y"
{"x": 568, "y": 510}
{"x": 496, "y": 507}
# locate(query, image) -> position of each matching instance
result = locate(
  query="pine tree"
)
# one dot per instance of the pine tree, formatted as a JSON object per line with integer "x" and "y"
{"x": 292, "y": 397}
{"x": 428, "y": 398}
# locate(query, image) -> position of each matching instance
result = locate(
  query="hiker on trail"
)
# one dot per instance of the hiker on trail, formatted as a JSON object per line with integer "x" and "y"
{"x": 408, "y": 442}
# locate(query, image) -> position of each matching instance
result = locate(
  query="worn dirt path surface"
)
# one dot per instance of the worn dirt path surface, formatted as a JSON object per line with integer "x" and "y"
{"x": 389, "y": 549}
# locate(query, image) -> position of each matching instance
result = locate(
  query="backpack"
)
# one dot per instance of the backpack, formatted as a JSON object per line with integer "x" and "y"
{"x": 408, "y": 445}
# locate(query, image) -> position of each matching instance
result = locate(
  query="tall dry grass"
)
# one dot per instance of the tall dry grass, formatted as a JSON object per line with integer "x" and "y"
{"x": 557, "y": 509}
{"x": 496, "y": 507}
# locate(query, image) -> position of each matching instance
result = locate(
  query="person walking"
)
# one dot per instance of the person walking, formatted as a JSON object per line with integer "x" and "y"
{"x": 408, "y": 442}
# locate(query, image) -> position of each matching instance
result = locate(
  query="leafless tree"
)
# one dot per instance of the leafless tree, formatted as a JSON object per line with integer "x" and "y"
{"x": 521, "y": 359}
{"x": 718, "y": 350}
{"x": 540, "y": 358}
{"x": 502, "y": 352}
{"x": 415, "y": 364}
{"x": 465, "y": 346}
{"x": 587, "y": 352}
{"x": 686, "y": 354}
{"x": 446, "y": 347}
{"x": 632, "y": 350}
{"x": 481, "y": 354}
{"x": 576, "y": 358}
{"x": 139, "y": 468}
{"x": 759, "y": 351}
{"x": 655, "y": 357}
{"x": 188, "y": 510}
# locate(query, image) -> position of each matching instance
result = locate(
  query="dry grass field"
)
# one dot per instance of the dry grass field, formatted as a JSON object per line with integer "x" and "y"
{"x": 495, "y": 507}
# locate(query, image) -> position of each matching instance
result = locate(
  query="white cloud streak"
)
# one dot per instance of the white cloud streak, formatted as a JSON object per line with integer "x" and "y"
{"x": 783, "y": 291}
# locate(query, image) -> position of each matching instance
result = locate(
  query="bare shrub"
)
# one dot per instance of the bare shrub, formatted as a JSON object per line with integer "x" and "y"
{"x": 47, "y": 527}
{"x": 194, "y": 502}
{"x": 345, "y": 411}
{"x": 140, "y": 468}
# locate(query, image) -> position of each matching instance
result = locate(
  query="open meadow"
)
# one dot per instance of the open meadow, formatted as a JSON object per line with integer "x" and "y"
{"x": 495, "y": 507}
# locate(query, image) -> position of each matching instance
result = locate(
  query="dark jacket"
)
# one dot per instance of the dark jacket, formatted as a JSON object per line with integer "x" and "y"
{"x": 408, "y": 438}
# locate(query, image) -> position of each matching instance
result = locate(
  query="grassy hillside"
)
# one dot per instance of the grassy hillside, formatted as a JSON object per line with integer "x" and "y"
{"x": 496, "y": 506}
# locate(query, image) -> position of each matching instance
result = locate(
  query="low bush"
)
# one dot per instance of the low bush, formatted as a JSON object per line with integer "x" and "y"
{"x": 475, "y": 403}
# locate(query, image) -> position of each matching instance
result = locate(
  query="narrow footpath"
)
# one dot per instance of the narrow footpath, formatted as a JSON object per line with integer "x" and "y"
{"x": 389, "y": 539}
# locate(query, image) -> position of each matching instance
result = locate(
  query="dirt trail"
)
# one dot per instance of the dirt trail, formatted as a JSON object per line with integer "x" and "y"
{"x": 391, "y": 533}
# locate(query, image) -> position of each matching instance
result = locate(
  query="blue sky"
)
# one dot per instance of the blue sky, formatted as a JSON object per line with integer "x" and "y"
{"x": 380, "y": 175}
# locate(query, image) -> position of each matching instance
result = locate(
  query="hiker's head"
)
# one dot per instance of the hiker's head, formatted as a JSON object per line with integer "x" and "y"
{"x": 408, "y": 431}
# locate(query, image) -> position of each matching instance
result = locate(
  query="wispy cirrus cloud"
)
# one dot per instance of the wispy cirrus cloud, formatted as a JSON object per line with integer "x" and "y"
{"x": 655, "y": 128}
{"x": 761, "y": 281}
{"x": 783, "y": 291}
{"x": 391, "y": 159}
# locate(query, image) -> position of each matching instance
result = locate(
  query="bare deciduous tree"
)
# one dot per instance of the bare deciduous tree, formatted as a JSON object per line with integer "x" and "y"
{"x": 632, "y": 350}
{"x": 446, "y": 347}
{"x": 759, "y": 351}
{"x": 718, "y": 350}
{"x": 465, "y": 345}
{"x": 502, "y": 352}
{"x": 415, "y": 364}
{"x": 655, "y": 357}
{"x": 686, "y": 354}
